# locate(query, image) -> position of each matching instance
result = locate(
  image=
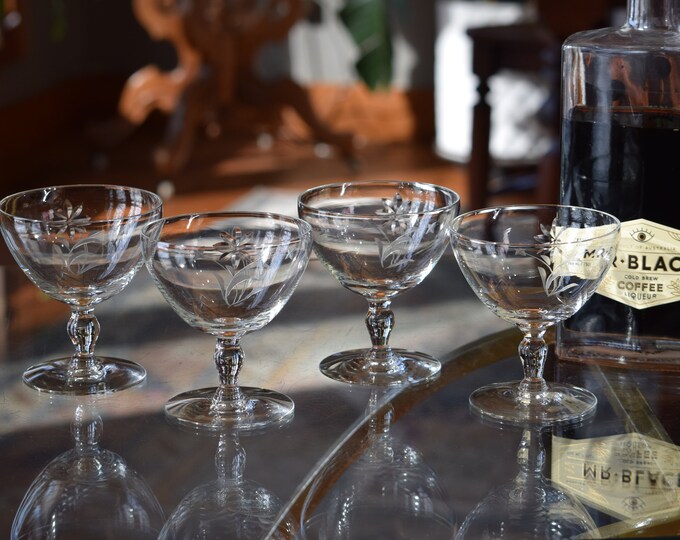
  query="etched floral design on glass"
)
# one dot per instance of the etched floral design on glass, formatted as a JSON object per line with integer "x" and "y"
{"x": 68, "y": 219}
{"x": 379, "y": 239}
{"x": 534, "y": 266}
{"x": 80, "y": 245}
{"x": 228, "y": 274}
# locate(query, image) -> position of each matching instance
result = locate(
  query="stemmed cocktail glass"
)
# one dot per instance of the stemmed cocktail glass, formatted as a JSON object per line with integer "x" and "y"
{"x": 80, "y": 245}
{"x": 379, "y": 239}
{"x": 228, "y": 274}
{"x": 534, "y": 266}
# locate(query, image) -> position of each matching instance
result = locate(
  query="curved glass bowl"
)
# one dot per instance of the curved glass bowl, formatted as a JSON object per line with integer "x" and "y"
{"x": 227, "y": 274}
{"x": 379, "y": 239}
{"x": 80, "y": 245}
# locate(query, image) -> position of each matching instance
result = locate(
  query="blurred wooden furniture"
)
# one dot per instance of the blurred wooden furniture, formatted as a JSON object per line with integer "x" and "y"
{"x": 530, "y": 47}
{"x": 216, "y": 44}
{"x": 13, "y": 30}
{"x": 518, "y": 47}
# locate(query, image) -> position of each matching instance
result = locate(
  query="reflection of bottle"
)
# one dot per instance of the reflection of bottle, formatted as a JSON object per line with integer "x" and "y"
{"x": 614, "y": 463}
{"x": 620, "y": 135}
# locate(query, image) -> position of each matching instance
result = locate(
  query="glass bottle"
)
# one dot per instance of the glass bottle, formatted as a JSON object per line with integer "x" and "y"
{"x": 620, "y": 154}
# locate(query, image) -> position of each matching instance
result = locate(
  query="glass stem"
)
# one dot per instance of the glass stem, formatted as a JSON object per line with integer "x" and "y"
{"x": 230, "y": 463}
{"x": 533, "y": 353}
{"x": 530, "y": 458}
{"x": 379, "y": 321}
{"x": 86, "y": 430}
{"x": 228, "y": 358}
{"x": 531, "y": 454}
{"x": 379, "y": 440}
{"x": 83, "y": 329}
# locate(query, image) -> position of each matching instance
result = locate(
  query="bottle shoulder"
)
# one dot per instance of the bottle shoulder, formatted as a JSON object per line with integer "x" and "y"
{"x": 624, "y": 39}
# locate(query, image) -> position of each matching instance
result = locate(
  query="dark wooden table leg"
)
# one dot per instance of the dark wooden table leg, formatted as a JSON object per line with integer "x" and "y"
{"x": 479, "y": 156}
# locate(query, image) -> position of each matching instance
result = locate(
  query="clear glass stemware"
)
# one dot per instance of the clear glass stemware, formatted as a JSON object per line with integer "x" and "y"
{"x": 80, "y": 245}
{"x": 227, "y": 274}
{"x": 379, "y": 239}
{"x": 534, "y": 266}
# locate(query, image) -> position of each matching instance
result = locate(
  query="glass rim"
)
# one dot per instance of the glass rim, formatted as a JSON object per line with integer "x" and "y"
{"x": 615, "y": 222}
{"x": 158, "y": 201}
{"x": 292, "y": 220}
{"x": 376, "y": 183}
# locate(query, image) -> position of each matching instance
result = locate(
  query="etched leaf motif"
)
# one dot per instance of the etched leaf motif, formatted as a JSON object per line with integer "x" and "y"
{"x": 244, "y": 284}
{"x": 85, "y": 255}
{"x": 542, "y": 273}
{"x": 553, "y": 283}
{"x": 396, "y": 254}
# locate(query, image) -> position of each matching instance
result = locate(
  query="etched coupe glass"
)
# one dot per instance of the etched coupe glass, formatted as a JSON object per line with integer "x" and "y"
{"x": 534, "y": 266}
{"x": 379, "y": 239}
{"x": 80, "y": 245}
{"x": 227, "y": 274}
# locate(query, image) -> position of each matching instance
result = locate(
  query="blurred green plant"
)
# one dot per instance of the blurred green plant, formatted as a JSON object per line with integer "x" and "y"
{"x": 367, "y": 22}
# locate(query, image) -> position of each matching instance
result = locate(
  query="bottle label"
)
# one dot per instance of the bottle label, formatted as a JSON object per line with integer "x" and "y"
{"x": 626, "y": 476}
{"x": 581, "y": 252}
{"x": 646, "y": 270}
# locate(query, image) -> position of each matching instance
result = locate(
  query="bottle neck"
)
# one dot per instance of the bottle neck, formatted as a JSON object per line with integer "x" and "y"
{"x": 652, "y": 14}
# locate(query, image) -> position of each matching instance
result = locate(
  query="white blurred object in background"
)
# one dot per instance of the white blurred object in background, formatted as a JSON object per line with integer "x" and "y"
{"x": 515, "y": 98}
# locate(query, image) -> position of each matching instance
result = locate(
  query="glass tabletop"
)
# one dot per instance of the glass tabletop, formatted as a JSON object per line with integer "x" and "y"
{"x": 355, "y": 461}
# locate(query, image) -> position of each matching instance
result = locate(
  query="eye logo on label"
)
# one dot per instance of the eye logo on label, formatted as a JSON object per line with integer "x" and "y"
{"x": 641, "y": 235}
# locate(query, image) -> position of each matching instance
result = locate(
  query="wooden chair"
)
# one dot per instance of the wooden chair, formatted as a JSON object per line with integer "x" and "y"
{"x": 216, "y": 44}
{"x": 531, "y": 47}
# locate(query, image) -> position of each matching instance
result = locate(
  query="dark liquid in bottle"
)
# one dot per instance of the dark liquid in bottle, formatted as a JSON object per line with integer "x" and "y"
{"x": 624, "y": 162}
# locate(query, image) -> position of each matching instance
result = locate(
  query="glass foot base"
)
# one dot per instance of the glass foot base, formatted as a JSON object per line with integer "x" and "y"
{"x": 53, "y": 377}
{"x": 258, "y": 409}
{"x": 560, "y": 404}
{"x": 399, "y": 368}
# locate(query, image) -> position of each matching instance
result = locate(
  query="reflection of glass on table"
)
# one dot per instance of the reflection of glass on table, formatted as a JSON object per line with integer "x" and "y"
{"x": 88, "y": 492}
